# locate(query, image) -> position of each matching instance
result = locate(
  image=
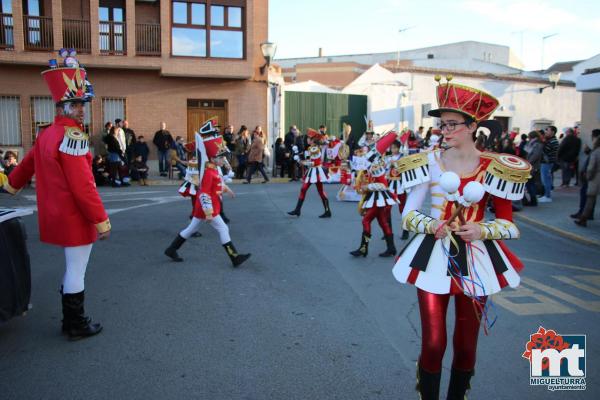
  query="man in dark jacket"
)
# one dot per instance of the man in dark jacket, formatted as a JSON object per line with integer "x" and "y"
{"x": 163, "y": 142}
{"x": 568, "y": 154}
{"x": 129, "y": 141}
{"x": 140, "y": 148}
{"x": 548, "y": 160}
{"x": 289, "y": 142}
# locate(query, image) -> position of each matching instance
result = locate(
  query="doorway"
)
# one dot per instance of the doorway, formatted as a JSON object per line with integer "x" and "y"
{"x": 199, "y": 111}
{"x": 504, "y": 121}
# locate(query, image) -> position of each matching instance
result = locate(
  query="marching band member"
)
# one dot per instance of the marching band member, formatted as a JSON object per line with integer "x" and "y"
{"x": 210, "y": 154}
{"x": 334, "y": 159}
{"x": 466, "y": 260}
{"x": 350, "y": 171}
{"x": 70, "y": 211}
{"x": 377, "y": 199}
{"x": 315, "y": 173}
{"x": 395, "y": 181}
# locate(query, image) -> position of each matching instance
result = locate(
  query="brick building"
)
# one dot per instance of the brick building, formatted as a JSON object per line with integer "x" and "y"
{"x": 149, "y": 61}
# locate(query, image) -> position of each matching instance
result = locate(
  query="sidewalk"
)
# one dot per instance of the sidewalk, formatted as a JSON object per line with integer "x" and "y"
{"x": 555, "y": 217}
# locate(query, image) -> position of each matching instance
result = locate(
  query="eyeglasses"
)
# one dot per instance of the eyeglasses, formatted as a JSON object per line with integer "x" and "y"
{"x": 451, "y": 126}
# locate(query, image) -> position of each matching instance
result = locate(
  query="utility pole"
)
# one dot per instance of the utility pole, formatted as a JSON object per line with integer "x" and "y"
{"x": 543, "y": 42}
{"x": 400, "y": 31}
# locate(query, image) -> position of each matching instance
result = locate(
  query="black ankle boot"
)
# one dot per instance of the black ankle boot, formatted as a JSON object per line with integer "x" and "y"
{"x": 391, "y": 249}
{"x": 75, "y": 324}
{"x": 236, "y": 259}
{"x": 404, "y": 234}
{"x": 327, "y": 213}
{"x": 363, "y": 250}
{"x": 298, "y": 208}
{"x": 428, "y": 384}
{"x": 459, "y": 384}
{"x": 171, "y": 251}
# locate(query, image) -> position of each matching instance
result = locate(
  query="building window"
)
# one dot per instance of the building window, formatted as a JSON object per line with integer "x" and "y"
{"x": 10, "y": 121}
{"x": 207, "y": 29}
{"x": 43, "y": 110}
{"x": 112, "y": 108}
{"x": 6, "y": 25}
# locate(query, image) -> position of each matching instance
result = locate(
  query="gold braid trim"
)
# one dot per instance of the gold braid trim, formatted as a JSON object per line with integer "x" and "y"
{"x": 499, "y": 229}
{"x": 418, "y": 222}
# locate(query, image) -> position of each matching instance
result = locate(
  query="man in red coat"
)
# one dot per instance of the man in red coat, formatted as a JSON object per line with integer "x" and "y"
{"x": 70, "y": 211}
{"x": 210, "y": 152}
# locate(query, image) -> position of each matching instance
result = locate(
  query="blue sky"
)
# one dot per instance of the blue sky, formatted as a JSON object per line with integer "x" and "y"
{"x": 300, "y": 27}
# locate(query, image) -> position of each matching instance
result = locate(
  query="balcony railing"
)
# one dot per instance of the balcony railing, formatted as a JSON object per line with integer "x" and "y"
{"x": 113, "y": 39}
{"x": 77, "y": 35}
{"x": 147, "y": 39}
{"x": 38, "y": 33}
{"x": 6, "y": 32}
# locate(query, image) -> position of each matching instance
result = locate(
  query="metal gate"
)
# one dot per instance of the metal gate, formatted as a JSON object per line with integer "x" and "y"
{"x": 309, "y": 110}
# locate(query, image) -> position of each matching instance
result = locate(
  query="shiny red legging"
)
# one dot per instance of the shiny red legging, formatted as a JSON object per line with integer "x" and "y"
{"x": 305, "y": 187}
{"x": 383, "y": 217}
{"x": 433, "y": 309}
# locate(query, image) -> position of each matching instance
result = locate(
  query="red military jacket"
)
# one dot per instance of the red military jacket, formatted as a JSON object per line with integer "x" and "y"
{"x": 209, "y": 195}
{"x": 70, "y": 211}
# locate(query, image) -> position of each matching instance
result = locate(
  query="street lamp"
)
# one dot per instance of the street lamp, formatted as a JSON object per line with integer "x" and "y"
{"x": 268, "y": 51}
{"x": 553, "y": 77}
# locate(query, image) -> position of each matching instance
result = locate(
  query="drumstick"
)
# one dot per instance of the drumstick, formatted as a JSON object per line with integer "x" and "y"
{"x": 457, "y": 213}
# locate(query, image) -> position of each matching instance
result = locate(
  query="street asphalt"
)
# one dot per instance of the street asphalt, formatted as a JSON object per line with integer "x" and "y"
{"x": 302, "y": 319}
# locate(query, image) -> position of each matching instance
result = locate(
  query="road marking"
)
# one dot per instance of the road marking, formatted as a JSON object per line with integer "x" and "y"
{"x": 560, "y": 265}
{"x": 544, "y": 304}
{"x": 108, "y": 194}
{"x": 578, "y": 285}
{"x": 585, "y": 304}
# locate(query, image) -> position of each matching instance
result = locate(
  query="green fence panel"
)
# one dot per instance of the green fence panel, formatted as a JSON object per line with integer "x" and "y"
{"x": 309, "y": 110}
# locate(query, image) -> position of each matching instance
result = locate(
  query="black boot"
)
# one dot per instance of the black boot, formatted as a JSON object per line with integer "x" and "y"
{"x": 75, "y": 324}
{"x": 391, "y": 249}
{"x": 327, "y": 213}
{"x": 459, "y": 384}
{"x": 171, "y": 251}
{"x": 404, "y": 234}
{"x": 363, "y": 250}
{"x": 298, "y": 208}
{"x": 236, "y": 259}
{"x": 428, "y": 384}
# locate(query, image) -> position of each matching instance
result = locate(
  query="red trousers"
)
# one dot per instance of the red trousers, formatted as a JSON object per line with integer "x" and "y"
{"x": 305, "y": 187}
{"x": 433, "y": 309}
{"x": 383, "y": 218}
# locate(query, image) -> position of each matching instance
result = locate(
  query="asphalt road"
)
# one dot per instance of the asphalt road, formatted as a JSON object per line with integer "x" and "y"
{"x": 302, "y": 319}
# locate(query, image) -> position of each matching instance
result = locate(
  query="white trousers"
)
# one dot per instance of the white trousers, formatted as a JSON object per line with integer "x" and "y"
{"x": 76, "y": 260}
{"x": 217, "y": 223}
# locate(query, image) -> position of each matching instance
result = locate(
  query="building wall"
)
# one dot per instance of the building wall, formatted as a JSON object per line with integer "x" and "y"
{"x": 147, "y": 13}
{"x": 397, "y": 107}
{"x": 590, "y": 115}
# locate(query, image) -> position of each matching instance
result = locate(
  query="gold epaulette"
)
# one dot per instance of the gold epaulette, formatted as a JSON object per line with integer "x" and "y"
{"x": 413, "y": 161}
{"x": 75, "y": 142}
{"x": 509, "y": 168}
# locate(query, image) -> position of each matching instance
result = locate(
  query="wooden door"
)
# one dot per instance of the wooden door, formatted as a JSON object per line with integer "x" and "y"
{"x": 199, "y": 111}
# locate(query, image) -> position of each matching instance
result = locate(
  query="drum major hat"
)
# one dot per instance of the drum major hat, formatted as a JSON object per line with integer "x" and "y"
{"x": 466, "y": 100}
{"x": 212, "y": 139}
{"x": 69, "y": 82}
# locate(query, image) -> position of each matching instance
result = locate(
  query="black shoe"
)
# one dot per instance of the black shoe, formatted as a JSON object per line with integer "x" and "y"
{"x": 246, "y": 182}
{"x": 581, "y": 222}
{"x": 236, "y": 259}
{"x": 391, "y": 249}
{"x": 296, "y": 210}
{"x": 327, "y": 213}
{"x": 363, "y": 250}
{"x": 404, "y": 234}
{"x": 460, "y": 382}
{"x": 75, "y": 324}
{"x": 428, "y": 384}
{"x": 171, "y": 251}
{"x": 265, "y": 181}
{"x": 575, "y": 216}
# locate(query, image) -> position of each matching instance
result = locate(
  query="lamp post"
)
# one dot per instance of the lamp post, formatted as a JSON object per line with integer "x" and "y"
{"x": 554, "y": 78}
{"x": 398, "y": 55}
{"x": 543, "y": 42}
{"x": 268, "y": 50}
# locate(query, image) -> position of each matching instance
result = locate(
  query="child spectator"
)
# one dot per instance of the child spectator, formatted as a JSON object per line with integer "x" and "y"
{"x": 140, "y": 148}
{"x": 139, "y": 171}
{"x": 101, "y": 175}
{"x": 10, "y": 162}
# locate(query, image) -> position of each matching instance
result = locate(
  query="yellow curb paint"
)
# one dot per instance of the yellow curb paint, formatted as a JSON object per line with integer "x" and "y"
{"x": 559, "y": 231}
